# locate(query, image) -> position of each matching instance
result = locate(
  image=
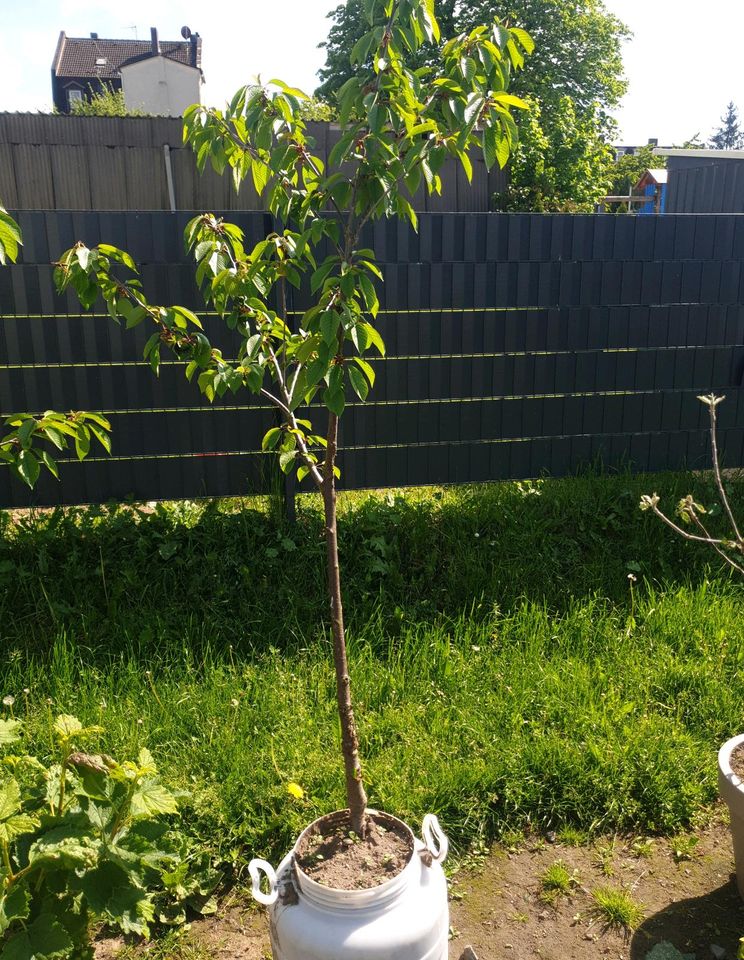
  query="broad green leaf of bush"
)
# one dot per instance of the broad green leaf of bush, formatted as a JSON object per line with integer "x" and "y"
{"x": 9, "y": 732}
{"x": 44, "y": 939}
{"x": 151, "y": 799}
{"x": 84, "y": 840}
{"x": 14, "y": 906}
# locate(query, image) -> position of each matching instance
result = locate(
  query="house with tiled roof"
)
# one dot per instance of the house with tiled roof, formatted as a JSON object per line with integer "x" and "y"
{"x": 157, "y": 77}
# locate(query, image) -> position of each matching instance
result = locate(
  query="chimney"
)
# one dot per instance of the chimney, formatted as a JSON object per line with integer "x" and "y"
{"x": 154, "y": 42}
{"x": 653, "y": 142}
{"x": 194, "y": 40}
{"x": 94, "y": 36}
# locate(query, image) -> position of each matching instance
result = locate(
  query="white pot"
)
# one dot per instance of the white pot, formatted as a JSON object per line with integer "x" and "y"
{"x": 731, "y": 789}
{"x": 405, "y": 918}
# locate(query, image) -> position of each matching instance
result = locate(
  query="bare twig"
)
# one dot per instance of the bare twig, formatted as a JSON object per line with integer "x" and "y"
{"x": 690, "y": 511}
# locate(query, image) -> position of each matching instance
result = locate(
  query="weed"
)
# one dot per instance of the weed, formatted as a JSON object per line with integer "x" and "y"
{"x": 557, "y": 880}
{"x": 603, "y": 857}
{"x": 617, "y": 908}
{"x": 684, "y": 846}
{"x": 642, "y": 847}
{"x": 571, "y": 836}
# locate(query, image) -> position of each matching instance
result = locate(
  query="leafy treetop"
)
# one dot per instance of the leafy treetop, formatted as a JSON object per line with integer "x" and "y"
{"x": 575, "y": 79}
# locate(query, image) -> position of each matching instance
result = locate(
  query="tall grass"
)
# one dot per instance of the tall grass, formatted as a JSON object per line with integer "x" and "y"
{"x": 504, "y": 676}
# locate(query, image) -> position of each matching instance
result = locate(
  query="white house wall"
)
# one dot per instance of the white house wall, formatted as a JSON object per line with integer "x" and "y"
{"x": 160, "y": 86}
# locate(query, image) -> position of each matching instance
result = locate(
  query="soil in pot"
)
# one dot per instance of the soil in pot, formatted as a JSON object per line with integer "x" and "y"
{"x": 333, "y": 856}
{"x": 737, "y": 761}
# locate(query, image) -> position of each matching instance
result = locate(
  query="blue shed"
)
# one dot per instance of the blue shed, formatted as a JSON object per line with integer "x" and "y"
{"x": 653, "y": 185}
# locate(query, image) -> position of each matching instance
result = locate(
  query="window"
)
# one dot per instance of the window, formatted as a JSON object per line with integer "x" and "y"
{"x": 74, "y": 96}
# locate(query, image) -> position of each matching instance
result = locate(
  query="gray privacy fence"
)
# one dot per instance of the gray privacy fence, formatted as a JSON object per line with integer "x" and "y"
{"x": 705, "y": 185}
{"x": 140, "y": 163}
{"x": 518, "y": 345}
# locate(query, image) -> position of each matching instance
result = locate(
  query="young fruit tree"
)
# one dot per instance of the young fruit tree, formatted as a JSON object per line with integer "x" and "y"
{"x": 398, "y": 126}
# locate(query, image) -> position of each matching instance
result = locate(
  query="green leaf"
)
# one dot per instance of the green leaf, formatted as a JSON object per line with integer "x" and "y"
{"x": 10, "y": 237}
{"x": 373, "y": 337}
{"x": 524, "y": 38}
{"x": 369, "y": 293}
{"x": 49, "y": 463}
{"x": 151, "y": 798}
{"x": 511, "y": 100}
{"x": 330, "y": 321}
{"x": 187, "y": 315}
{"x": 367, "y": 369}
{"x": 112, "y": 894}
{"x": 28, "y": 467}
{"x": 16, "y": 826}
{"x": 43, "y": 939}
{"x": 335, "y": 401}
{"x": 10, "y": 799}
{"x": 286, "y": 460}
{"x": 26, "y": 431}
{"x": 9, "y": 732}
{"x": 271, "y": 438}
{"x": 102, "y": 437}
{"x": 14, "y": 906}
{"x": 66, "y": 847}
{"x": 121, "y": 256}
{"x": 358, "y": 382}
{"x": 66, "y": 726}
{"x": 488, "y": 139}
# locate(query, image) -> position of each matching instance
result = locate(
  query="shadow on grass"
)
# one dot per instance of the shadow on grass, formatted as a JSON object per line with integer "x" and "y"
{"x": 693, "y": 925}
{"x": 244, "y": 579}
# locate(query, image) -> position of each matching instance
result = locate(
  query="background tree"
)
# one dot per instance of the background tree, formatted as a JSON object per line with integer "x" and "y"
{"x": 729, "y": 135}
{"x": 397, "y": 130}
{"x": 564, "y": 172}
{"x": 103, "y": 103}
{"x": 578, "y": 56}
{"x": 628, "y": 170}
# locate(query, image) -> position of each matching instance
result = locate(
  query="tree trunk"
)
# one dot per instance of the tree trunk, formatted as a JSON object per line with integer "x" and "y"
{"x": 356, "y": 798}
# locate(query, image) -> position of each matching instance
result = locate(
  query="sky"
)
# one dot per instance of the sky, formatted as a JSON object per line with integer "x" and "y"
{"x": 683, "y": 62}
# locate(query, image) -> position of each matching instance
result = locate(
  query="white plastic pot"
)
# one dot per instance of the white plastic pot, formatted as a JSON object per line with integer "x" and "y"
{"x": 731, "y": 789}
{"x": 405, "y": 918}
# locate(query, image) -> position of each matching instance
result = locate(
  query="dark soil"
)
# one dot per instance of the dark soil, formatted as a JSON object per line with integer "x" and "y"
{"x": 737, "y": 761}
{"x": 336, "y": 858}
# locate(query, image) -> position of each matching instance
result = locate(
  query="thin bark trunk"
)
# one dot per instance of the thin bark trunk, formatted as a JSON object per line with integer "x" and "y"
{"x": 356, "y": 798}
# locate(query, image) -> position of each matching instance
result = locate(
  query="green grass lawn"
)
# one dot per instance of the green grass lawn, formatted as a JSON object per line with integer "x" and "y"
{"x": 507, "y": 672}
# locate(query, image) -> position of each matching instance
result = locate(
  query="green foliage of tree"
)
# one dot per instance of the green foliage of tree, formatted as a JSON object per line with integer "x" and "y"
{"x": 628, "y": 170}
{"x": 31, "y": 440}
{"x": 564, "y": 172}
{"x": 103, "y": 103}
{"x": 578, "y": 56}
{"x": 84, "y": 840}
{"x": 397, "y": 129}
{"x": 729, "y": 135}
{"x": 315, "y": 109}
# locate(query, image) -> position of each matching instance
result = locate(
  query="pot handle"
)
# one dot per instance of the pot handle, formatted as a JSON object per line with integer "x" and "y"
{"x": 435, "y": 839}
{"x": 255, "y": 868}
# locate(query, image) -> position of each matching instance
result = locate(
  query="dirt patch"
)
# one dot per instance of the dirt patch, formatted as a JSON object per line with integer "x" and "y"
{"x": 335, "y": 857}
{"x": 500, "y": 907}
{"x": 737, "y": 761}
{"x": 684, "y": 887}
